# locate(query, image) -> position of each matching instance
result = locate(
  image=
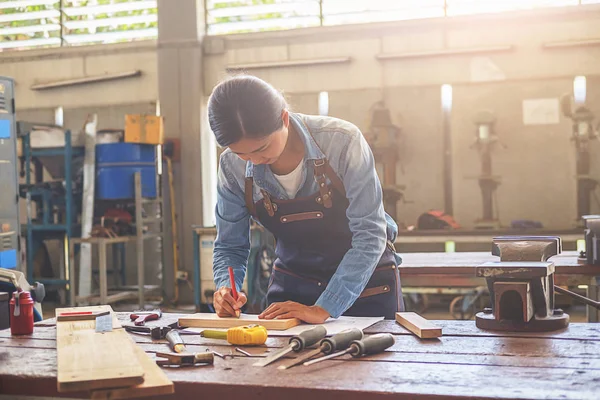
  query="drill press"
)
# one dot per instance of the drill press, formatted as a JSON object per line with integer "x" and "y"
{"x": 582, "y": 134}
{"x": 384, "y": 138}
{"x": 486, "y": 140}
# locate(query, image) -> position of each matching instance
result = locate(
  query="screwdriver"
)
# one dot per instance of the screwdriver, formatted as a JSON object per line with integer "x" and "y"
{"x": 358, "y": 348}
{"x": 297, "y": 343}
{"x": 328, "y": 345}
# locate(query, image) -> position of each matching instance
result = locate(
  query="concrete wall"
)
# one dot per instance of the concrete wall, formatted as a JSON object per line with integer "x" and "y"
{"x": 538, "y": 165}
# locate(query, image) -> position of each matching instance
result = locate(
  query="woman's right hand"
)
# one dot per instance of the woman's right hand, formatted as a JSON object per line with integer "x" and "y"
{"x": 225, "y": 305}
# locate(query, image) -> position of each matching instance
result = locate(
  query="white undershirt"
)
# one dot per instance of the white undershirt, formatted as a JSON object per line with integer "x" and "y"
{"x": 291, "y": 182}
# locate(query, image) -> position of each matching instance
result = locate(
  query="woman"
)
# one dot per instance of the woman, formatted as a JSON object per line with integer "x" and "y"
{"x": 311, "y": 181}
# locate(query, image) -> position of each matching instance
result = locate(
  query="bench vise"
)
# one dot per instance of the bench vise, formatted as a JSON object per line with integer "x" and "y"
{"x": 591, "y": 256}
{"x": 521, "y": 285}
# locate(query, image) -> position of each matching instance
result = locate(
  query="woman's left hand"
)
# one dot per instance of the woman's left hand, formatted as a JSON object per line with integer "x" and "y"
{"x": 291, "y": 309}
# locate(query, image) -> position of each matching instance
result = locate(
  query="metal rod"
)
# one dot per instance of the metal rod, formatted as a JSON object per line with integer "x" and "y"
{"x": 321, "y": 12}
{"x": 585, "y": 300}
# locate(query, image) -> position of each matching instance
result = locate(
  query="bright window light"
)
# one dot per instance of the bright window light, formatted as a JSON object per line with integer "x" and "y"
{"x": 447, "y": 97}
{"x": 579, "y": 89}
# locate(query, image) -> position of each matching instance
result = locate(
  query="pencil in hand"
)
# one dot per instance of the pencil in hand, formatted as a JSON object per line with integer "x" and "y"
{"x": 233, "y": 289}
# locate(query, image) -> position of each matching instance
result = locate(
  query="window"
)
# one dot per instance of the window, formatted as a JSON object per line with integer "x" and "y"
{"x": 43, "y": 23}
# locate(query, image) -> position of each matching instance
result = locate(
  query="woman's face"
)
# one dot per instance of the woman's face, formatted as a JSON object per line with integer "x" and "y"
{"x": 264, "y": 150}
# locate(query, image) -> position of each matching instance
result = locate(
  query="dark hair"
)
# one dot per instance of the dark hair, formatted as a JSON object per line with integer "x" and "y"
{"x": 244, "y": 106}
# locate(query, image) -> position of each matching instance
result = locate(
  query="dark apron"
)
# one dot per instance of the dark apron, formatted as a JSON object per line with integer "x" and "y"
{"x": 313, "y": 235}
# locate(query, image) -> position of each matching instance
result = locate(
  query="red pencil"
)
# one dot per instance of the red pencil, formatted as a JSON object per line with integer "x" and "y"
{"x": 232, "y": 280}
{"x": 233, "y": 289}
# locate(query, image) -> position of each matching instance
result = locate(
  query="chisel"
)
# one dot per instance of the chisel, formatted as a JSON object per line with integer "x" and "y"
{"x": 327, "y": 346}
{"x": 297, "y": 343}
{"x": 175, "y": 342}
{"x": 370, "y": 345}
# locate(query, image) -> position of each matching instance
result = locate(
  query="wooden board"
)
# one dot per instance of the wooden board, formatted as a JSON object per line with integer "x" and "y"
{"x": 210, "y": 320}
{"x": 88, "y": 360}
{"x": 418, "y": 325}
{"x": 155, "y": 382}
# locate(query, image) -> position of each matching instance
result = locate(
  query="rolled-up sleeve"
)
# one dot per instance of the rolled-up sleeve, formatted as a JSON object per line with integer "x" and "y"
{"x": 232, "y": 244}
{"x": 368, "y": 226}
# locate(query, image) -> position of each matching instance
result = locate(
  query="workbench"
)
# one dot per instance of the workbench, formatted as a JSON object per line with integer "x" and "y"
{"x": 453, "y": 271}
{"x": 457, "y": 270}
{"x": 464, "y": 363}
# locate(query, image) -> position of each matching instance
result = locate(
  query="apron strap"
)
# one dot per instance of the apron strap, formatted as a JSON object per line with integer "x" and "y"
{"x": 323, "y": 170}
{"x": 248, "y": 191}
{"x": 269, "y": 206}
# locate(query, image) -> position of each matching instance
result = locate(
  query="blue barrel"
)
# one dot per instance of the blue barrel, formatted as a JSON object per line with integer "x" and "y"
{"x": 116, "y": 165}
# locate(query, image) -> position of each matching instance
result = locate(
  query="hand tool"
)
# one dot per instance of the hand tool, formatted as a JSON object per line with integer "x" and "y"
{"x": 175, "y": 342}
{"x": 223, "y": 356}
{"x": 233, "y": 289}
{"x": 140, "y": 317}
{"x": 297, "y": 343}
{"x": 185, "y": 359}
{"x": 156, "y": 332}
{"x": 370, "y": 345}
{"x": 239, "y": 335}
{"x": 583, "y": 299}
{"x": 327, "y": 346}
{"x": 103, "y": 319}
{"x": 244, "y": 352}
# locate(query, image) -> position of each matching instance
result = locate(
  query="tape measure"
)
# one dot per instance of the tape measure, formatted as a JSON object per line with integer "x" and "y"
{"x": 240, "y": 335}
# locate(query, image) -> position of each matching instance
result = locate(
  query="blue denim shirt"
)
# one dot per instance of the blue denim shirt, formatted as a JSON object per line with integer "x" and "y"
{"x": 351, "y": 158}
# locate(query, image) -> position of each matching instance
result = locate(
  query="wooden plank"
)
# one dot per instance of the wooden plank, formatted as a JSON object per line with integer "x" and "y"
{"x": 88, "y": 360}
{"x": 87, "y": 207}
{"x": 418, "y": 325}
{"x": 155, "y": 382}
{"x": 210, "y": 320}
{"x": 330, "y": 378}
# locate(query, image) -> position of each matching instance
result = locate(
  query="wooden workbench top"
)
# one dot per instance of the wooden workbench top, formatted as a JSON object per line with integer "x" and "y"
{"x": 465, "y": 263}
{"x": 465, "y": 363}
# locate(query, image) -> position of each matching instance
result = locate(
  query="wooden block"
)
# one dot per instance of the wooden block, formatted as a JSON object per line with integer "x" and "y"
{"x": 418, "y": 325}
{"x": 155, "y": 382}
{"x": 89, "y": 360}
{"x": 210, "y": 320}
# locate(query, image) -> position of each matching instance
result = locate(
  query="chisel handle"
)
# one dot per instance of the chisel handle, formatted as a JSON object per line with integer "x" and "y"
{"x": 308, "y": 337}
{"x": 340, "y": 341}
{"x": 175, "y": 342}
{"x": 371, "y": 345}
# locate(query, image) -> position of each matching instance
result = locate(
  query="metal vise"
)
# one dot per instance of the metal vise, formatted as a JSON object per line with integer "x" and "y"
{"x": 521, "y": 285}
{"x": 592, "y": 240}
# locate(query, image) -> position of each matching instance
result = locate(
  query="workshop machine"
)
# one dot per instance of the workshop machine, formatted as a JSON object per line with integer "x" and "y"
{"x": 591, "y": 255}
{"x": 485, "y": 142}
{"x": 385, "y": 140}
{"x": 583, "y": 134}
{"x": 11, "y": 278}
{"x": 9, "y": 201}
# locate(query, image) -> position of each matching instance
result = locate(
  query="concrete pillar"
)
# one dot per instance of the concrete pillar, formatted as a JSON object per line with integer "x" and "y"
{"x": 180, "y": 81}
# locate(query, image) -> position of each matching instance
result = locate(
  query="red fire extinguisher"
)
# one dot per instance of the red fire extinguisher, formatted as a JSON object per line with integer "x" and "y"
{"x": 21, "y": 313}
